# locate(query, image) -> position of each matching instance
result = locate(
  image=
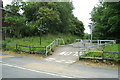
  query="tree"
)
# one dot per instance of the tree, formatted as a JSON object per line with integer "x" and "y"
{"x": 14, "y": 19}
{"x": 76, "y": 27}
{"x": 106, "y": 20}
{"x": 56, "y": 17}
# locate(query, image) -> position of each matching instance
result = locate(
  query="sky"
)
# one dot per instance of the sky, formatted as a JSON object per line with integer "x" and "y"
{"x": 82, "y": 10}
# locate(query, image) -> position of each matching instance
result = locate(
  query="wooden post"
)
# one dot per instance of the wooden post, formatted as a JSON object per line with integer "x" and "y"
{"x": 102, "y": 55}
{"x": 78, "y": 55}
{"x": 16, "y": 47}
{"x": 29, "y": 49}
{"x": 57, "y": 42}
{"x": 4, "y": 47}
{"x": 46, "y": 51}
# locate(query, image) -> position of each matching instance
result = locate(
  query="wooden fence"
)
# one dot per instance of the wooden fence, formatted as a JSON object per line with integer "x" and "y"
{"x": 31, "y": 49}
{"x": 18, "y": 47}
{"x": 102, "y": 55}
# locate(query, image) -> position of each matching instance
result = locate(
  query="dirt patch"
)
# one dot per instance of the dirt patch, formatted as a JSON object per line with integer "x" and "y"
{"x": 112, "y": 65}
{"x": 45, "y": 67}
{"x": 36, "y": 56}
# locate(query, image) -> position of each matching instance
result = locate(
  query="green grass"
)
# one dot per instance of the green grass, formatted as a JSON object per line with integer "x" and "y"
{"x": 113, "y": 47}
{"x": 35, "y": 41}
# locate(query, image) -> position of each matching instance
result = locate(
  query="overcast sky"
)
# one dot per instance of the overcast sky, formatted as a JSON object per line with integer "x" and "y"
{"x": 82, "y": 10}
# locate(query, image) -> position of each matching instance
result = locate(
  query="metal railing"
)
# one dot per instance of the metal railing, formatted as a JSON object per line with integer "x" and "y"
{"x": 51, "y": 45}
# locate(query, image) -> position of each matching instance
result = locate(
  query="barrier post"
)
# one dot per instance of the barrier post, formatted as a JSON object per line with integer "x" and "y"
{"x": 29, "y": 49}
{"x": 16, "y": 47}
{"x": 46, "y": 51}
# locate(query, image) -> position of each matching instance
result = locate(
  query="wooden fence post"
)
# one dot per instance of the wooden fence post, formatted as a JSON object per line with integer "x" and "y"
{"x": 102, "y": 55}
{"x": 29, "y": 49}
{"x": 46, "y": 51}
{"x": 78, "y": 55}
{"x": 4, "y": 46}
{"x": 16, "y": 47}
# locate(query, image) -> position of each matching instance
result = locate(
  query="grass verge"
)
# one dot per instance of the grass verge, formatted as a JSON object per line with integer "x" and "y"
{"x": 35, "y": 56}
{"x": 35, "y": 42}
{"x": 113, "y": 47}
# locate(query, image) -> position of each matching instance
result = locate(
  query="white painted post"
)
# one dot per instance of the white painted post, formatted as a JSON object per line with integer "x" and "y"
{"x": 78, "y": 55}
{"x": 50, "y": 47}
{"x": 98, "y": 43}
{"x": 63, "y": 41}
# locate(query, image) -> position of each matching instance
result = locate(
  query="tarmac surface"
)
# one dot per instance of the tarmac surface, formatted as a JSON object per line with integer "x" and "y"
{"x": 59, "y": 65}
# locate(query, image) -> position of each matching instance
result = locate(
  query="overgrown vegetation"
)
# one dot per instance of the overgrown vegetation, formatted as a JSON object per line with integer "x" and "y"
{"x": 56, "y": 17}
{"x": 46, "y": 40}
{"x": 113, "y": 47}
{"x": 105, "y": 18}
{"x": 35, "y": 41}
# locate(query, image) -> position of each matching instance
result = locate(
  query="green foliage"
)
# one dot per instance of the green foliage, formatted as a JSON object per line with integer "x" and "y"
{"x": 113, "y": 47}
{"x": 15, "y": 20}
{"x": 86, "y": 36}
{"x": 106, "y": 20}
{"x": 35, "y": 41}
{"x": 56, "y": 17}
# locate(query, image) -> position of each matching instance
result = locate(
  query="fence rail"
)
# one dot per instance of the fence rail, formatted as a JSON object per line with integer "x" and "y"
{"x": 45, "y": 49}
{"x": 102, "y": 56}
{"x": 17, "y": 47}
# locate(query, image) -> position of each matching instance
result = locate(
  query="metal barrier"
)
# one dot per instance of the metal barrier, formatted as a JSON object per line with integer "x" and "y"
{"x": 93, "y": 43}
{"x": 51, "y": 45}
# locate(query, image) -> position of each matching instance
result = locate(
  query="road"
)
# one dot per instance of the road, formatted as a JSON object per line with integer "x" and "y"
{"x": 10, "y": 71}
{"x": 20, "y": 67}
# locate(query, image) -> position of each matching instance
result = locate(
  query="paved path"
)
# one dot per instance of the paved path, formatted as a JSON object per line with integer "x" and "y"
{"x": 63, "y": 55}
{"x": 66, "y": 54}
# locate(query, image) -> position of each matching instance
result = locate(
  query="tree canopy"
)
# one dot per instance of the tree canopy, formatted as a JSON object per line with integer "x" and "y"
{"x": 56, "y": 16}
{"x": 106, "y": 20}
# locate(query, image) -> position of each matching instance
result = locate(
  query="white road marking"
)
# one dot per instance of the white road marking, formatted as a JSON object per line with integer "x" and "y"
{"x": 68, "y": 53}
{"x": 62, "y": 53}
{"x": 75, "y": 54}
{"x": 58, "y": 61}
{"x": 50, "y": 59}
{"x": 36, "y": 71}
{"x": 69, "y": 61}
